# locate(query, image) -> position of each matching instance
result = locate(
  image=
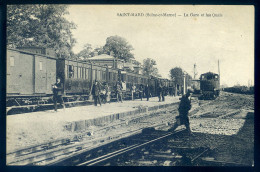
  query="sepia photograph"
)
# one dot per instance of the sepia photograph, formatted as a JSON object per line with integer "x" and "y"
{"x": 130, "y": 85}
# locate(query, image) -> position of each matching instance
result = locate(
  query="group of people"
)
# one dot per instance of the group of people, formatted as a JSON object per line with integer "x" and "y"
{"x": 143, "y": 90}
{"x": 161, "y": 92}
{"x": 97, "y": 91}
{"x": 184, "y": 106}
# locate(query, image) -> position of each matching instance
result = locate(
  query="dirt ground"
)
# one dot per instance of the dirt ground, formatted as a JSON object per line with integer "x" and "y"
{"x": 226, "y": 126}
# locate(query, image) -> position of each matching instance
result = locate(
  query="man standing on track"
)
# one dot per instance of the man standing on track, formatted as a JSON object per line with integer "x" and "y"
{"x": 57, "y": 94}
{"x": 183, "y": 119}
{"x": 96, "y": 93}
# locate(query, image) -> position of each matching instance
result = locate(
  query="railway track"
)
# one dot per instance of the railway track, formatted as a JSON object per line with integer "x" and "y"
{"x": 50, "y": 152}
{"x": 151, "y": 147}
{"x": 59, "y": 151}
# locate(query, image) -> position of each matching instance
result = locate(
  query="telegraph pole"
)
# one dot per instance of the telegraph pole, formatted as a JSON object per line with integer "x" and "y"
{"x": 184, "y": 84}
{"x": 195, "y": 71}
{"x": 218, "y": 69}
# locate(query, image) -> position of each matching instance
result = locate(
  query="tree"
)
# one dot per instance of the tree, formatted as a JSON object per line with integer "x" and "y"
{"x": 99, "y": 50}
{"x": 119, "y": 46}
{"x": 42, "y": 26}
{"x": 177, "y": 75}
{"x": 149, "y": 67}
{"x": 86, "y": 52}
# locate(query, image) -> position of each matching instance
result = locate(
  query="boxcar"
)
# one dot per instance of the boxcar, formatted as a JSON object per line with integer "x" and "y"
{"x": 29, "y": 75}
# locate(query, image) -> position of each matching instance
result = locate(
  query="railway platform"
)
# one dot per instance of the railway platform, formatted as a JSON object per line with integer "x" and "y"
{"x": 34, "y": 128}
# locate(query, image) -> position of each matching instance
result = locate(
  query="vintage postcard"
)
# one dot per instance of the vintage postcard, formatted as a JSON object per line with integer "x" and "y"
{"x": 130, "y": 85}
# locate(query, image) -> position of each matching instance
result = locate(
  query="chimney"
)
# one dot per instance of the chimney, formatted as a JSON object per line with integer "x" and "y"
{"x": 95, "y": 53}
{"x": 111, "y": 53}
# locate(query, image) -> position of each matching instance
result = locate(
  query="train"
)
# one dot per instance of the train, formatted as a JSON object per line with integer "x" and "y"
{"x": 240, "y": 89}
{"x": 32, "y": 71}
{"x": 209, "y": 85}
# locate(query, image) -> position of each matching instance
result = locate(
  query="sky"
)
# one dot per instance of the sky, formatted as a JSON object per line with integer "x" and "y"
{"x": 184, "y": 38}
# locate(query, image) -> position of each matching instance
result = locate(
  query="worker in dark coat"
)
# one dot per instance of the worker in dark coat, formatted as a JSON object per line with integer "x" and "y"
{"x": 159, "y": 90}
{"x": 57, "y": 94}
{"x": 96, "y": 93}
{"x": 141, "y": 91}
{"x": 183, "y": 119}
{"x": 164, "y": 91}
{"x": 147, "y": 91}
{"x": 119, "y": 92}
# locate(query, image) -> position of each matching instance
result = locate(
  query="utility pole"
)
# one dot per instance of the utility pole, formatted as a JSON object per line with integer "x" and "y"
{"x": 218, "y": 72}
{"x": 195, "y": 71}
{"x": 218, "y": 69}
{"x": 184, "y": 86}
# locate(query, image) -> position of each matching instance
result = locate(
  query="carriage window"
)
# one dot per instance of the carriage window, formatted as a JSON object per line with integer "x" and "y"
{"x": 94, "y": 74}
{"x": 11, "y": 61}
{"x": 97, "y": 75}
{"x": 104, "y": 75}
{"x": 71, "y": 71}
{"x": 78, "y": 75}
{"x": 86, "y": 73}
{"x": 40, "y": 65}
{"x": 83, "y": 73}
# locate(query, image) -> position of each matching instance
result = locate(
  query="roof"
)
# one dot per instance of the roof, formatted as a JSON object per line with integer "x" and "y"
{"x": 104, "y": 57}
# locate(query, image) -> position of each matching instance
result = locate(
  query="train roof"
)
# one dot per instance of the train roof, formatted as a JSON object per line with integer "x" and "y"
{"x": 28, "y": 52}
{"x": 209, "y": 73}
{"x": 103, "y": 57}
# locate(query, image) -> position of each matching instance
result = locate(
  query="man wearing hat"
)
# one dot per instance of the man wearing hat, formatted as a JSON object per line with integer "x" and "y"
{"x": 119, "y": 91}
{"x": 96, "y": 93}
{"x": 184, "y": 107}
{"x": 57, "y": 94}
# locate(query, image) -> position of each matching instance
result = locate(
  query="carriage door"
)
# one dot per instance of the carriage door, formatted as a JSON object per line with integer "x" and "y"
{"x": 13, "y": 76}
{"x": 40, "y": 74}
{"x": 26, "y": 73}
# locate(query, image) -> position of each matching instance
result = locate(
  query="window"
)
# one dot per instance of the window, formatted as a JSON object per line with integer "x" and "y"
{"x": 103, "y": 75}
{"x": 40, "y": 65}
{"x": 11, "y": 61}
{"x": 94, "y": 75}
{"x": 87, "y": 74}
{"x": 79, "y": 72}
{"x": 83, "y": 73}
{"x": 71, "y": 71}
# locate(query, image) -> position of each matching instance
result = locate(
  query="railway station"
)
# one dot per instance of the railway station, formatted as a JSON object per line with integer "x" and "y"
{"x": 119, "y": 100}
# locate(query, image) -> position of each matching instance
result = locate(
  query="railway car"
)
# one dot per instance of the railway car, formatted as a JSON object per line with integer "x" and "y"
{"x": 132, "y": 79}
{"x": 209, "y": 85}
{"x": 30, "y": 75}
{"x": 32, "y": 72}
{"x": 79, "y": 76}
